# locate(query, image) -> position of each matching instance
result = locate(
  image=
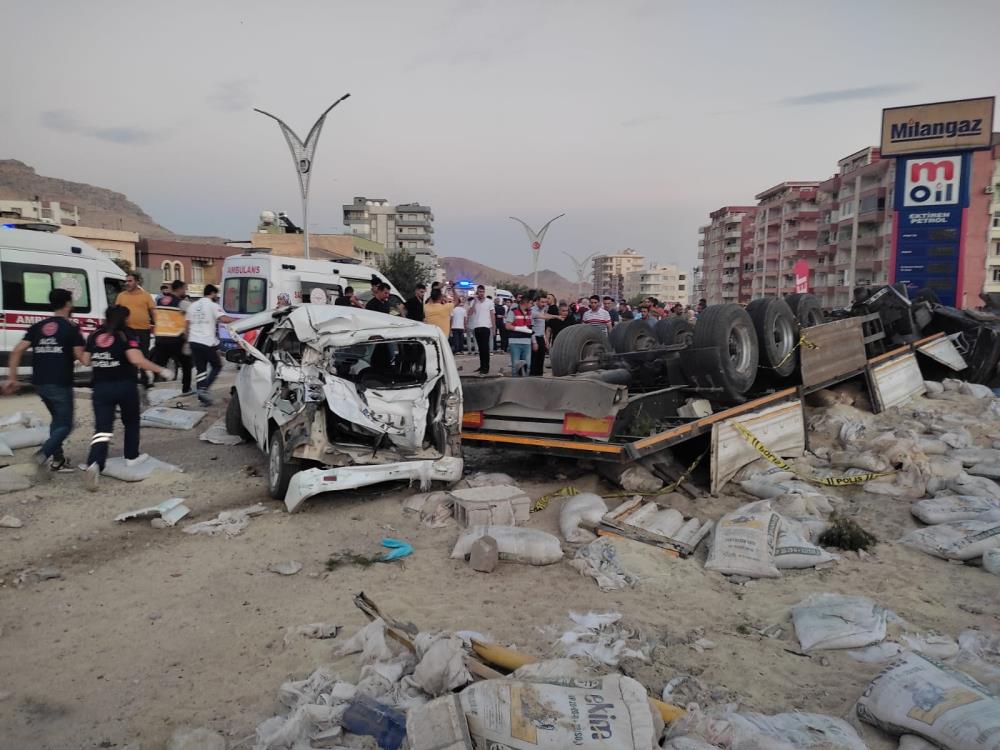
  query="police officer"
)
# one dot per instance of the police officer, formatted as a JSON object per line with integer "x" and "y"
{"x": 113, "y": 352}
{"x": 56, "y": 343}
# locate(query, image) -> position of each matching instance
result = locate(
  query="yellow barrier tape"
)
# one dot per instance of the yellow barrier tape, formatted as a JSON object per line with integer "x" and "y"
{"x": 670, "y": 487}
{"x": 543, "y": 502}
{"x": 782, "y": 464}
{"x": 803, "y": 341}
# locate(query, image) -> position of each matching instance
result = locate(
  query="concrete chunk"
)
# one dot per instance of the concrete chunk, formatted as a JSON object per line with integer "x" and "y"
{"x": 484, "y": 555}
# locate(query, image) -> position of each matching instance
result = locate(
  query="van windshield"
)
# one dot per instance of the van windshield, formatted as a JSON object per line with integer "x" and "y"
{"x": 244, "y": 295}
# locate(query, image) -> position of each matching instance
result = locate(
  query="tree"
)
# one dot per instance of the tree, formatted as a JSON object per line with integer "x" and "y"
{"x": 404, "y": 271}
{"x": 515, "y": 288}
{"x": 122, "y": 264}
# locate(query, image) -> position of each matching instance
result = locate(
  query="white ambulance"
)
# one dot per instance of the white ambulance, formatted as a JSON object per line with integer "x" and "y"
{"x": 33, "y": 263}
{"x": 256, "y": 281}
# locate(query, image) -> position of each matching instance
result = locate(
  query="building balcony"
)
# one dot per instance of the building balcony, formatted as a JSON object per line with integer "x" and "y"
{"x": 864, "y": 264}
{"x": 868, "y": 239}
{"x": 774, "y": 218}
{"x": 415, "y": 223}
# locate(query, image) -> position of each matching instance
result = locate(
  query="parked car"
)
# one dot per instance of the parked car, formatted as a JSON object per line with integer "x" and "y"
{"x": 341, "y": 397}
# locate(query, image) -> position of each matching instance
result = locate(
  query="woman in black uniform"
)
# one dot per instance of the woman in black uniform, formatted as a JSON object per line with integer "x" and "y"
{"x": 113, "y": 355}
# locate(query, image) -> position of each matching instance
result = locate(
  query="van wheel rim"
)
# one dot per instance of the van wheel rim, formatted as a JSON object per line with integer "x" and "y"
{"x": 739, "y": 348}
{"x": 783, "y": 337}
{"x": 591, "y": 353}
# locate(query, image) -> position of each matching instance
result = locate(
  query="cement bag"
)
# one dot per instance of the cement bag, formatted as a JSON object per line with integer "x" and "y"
{"x": 484, "y": 479}
{"x": 24, "y": 437}
{"x": 919, "y": 695}
{"x": 514, "y": 544}
{"x": 966, "y": 484}
{"x": 955, "y": 540}
{"x": 831, "y": 621}
{"x": 991, "y": 561}
{"x": 688, "y": 743}
{"x": 954, "y": 508}
{"x": 724, "y": 727}
{"x": 744, "y": 542}
{"x": 979, "y": 657}
{"x": 600, "y": 713}
{"x": 973, "y": 456}
{"x": 170, "y": 418}
{"x": 795, "y": 553}
{"x": 766, "y": 487}
{"x": 119, "y": 468}
{"x": 577, "y": 509}
{"x": 851, "y": 460}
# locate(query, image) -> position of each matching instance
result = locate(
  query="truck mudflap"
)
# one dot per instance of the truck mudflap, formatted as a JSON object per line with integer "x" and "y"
{"x": 311, "y": 482}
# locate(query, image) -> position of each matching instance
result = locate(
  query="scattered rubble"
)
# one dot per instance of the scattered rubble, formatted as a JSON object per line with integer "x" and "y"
{"x": 228, "y": 522}
{"x": 217, "y": 434}
{"x": 286, "y": 567}
{"x": 11, "y": 522}
{"x": 137, "y": 469}
{"x": 169, "y": 512}
{"x": 171, "y": 418}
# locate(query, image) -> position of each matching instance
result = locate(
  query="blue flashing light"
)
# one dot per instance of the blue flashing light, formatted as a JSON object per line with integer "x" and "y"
{"x": 9, "y": 226}
{"x": 463, "y": 283}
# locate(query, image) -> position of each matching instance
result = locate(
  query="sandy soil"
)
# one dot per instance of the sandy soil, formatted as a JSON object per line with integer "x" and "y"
{"x": 148, "y": 630}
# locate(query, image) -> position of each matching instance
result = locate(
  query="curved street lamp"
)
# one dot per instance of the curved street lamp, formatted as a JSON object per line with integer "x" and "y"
{"x": 580, "y": 266}
{"x": 302, "y": 156}
{"x": 535, "y": 238}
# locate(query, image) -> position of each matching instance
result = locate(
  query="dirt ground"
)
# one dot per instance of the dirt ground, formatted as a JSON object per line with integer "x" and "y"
{"x": 147, "y": 630}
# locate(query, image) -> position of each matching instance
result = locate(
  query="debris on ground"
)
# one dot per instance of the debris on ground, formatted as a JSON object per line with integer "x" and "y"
{"x": 434, "y": 508}
{"x": 286, "y": 567}
{"x": 171, "y": 418}
{"x": 137, "y": 469}
{"x": 20, "y": 419}
{"x": 846, "y": 534}
{"x": 514, "y": 544}
{"x": 832, "y": 621}
{"x": 22, "y": 437}
{"x": 196, "y": 739}
{"x": 725, "y": 726}
{"x": 499, "y": 505}
{"x": 169, "y": 512}
{"x": 16, "y": 477}
{"x": 217, "y": 434}
{"x": 314, "y": 630}
{"x": 228, "y": 522}
{"x": 744, "y": 542}
{"x": 158, "y": 396}
{"x": 11, "y": 522}
{"x": 586, "y": 508}
{"x": 601, "y": 639}
{"x": 956, "y": 540}
{"x": 484, "y": 555}
{"x": 34, "y": 575}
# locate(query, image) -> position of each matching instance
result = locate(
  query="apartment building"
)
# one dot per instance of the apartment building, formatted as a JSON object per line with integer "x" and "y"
{"x": 611, "y": 270}
{"x": 726, "y": 249}
{"x": 404, "y": 226}
{"x": 784, "y": 231}
{"x": 666, "y": 283}
{"x": 854, "y": 237}
{"x": 992, "y": 283}
{"x": 49, "y": 212}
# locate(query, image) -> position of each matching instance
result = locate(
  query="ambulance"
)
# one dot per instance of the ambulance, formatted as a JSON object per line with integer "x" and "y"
{"x": 35, "y": 261}
{"x": 256, "y": 281}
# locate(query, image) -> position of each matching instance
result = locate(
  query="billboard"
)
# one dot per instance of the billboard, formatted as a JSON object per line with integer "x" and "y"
{"x": 965, "y": 124}
{"x": 931, "y": 195}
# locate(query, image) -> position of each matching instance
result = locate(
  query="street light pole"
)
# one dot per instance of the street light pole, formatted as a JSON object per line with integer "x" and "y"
{"x": 580, "y": 266}
{"x": 535, "y": 238}
{"x": 302, "y": 156}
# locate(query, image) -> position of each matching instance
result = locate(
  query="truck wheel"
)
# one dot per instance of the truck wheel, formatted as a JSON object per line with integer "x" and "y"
{"x": 728, "y": 328}
{"x": 671, "y": 331}
{"x": 632, "y": 336}
{"x": 806, "y": 309}
{"x": 777, "y": 334}
{"x": 578, "y": 348}
{"x": 234, "y": 417}
{"x": 279, "y": 469}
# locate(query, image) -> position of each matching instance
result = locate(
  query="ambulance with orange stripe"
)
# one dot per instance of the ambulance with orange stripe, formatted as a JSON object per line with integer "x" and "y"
{"x": 33, "y": 262}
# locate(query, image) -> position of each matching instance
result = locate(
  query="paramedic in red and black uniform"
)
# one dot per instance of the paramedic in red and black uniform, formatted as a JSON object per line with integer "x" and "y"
{"x": 114, "y": 354}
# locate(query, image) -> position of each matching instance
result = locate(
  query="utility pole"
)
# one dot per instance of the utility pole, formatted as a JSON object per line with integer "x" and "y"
{"x": 302, "y": 156}
{"x": 580, "y": 266}
{"x": 535, "y": 238}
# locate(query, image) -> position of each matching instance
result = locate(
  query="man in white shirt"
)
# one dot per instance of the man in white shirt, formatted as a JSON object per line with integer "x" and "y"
{"x": 203, "y": 318}
{"x": 458, "y": 326}
{"x": 484, "y": 317}
{"x": 597, "y": 316}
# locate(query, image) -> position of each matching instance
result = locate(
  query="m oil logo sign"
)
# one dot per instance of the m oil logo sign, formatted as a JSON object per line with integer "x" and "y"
{"x": 931, "y": 181}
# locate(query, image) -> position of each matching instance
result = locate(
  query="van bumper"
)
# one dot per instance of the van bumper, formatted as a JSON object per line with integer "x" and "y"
{"x": 306, "y": 484}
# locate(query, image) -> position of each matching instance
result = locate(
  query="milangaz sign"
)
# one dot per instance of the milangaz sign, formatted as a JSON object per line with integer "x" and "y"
{"x": 962, "y": 125}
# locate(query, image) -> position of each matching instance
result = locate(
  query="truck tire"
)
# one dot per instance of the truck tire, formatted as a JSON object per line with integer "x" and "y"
{"x": 578, "y": 348}
{"x": 728, "y": 328}
{"x": 674, "y": 330}
{"x": 777, "y": 334}
{"x": 806, "y": 309}
{"x": 632, "y": 336}
{"x": 279, "y": 468}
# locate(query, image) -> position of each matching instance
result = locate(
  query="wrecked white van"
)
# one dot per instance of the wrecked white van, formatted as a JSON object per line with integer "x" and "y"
{"x": 340, "y": 398}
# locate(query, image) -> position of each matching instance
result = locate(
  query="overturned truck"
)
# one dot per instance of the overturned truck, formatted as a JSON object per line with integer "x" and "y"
{"x": 341, "y": 398}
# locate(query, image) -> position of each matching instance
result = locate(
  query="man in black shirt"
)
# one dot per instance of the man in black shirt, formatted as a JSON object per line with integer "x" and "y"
{"x": 56, "y": 343}
{"x": 380, "y": 300}
{"x": 347, "y": 298}
{"x": 415, "y": 304}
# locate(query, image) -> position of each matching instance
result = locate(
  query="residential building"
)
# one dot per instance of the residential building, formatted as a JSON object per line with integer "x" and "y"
{"x": 784, "y": 232}
{"x": 727, "y": 246}
{"x": 165, "y": 260}
{"x": 980, "y": 229}
{"x": 697, "y": 286}
{"x": 666, "y": 283}
{"x": 854, "y": 229}
{"x": 992, "y": 283}
{"x": 611, "y": 269}
{"x": 50, "y": 212}
{"x": 405, "y": 226}
{"x": 117, "y": 244}
{"x": 334, "y": 246}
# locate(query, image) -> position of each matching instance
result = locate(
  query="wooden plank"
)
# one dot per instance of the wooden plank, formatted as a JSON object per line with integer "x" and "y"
{"x": 897, "y": 380}
{"x": 781, "y": 428}
{"x": 839, "y": 349}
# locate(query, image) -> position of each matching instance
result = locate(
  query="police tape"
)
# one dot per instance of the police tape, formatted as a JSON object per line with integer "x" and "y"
{"x": 670, "y": 487}
{"x": 844, "y": 481}
{"x": 803, "y": 341}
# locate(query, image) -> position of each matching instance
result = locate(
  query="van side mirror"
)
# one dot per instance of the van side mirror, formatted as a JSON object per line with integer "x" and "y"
{"x": 236, "y": 356}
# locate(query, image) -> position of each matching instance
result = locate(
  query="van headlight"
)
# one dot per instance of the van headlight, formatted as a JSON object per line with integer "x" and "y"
{"x": 453, "y": 410}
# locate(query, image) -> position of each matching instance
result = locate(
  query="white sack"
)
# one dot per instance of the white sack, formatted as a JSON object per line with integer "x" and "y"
{"x": 484, "y": 479}
{"x": 794, "y": 552}
{"x": 970, "y": 485}
{"x": 724, "y": 727}
{"x": 118, "y": 468}
{"x": 744, "y": 542}
{"x": 513, "y": 544}
{"x": 945, "y": 508}
{"x": 20, "y": 419}
{"x": 597, "y": 713}
{"x": 831, "y": 621}
{"x": 577, "y": 509}
{"x": 217, "y": 434}
{"x": 919, "y": 695}
{"x": 170, "y": 418}
{"x": 24, "y": 437}
{"x": 979, "y": 657}
{"x": 600, "y": 561}
{"x": 991, "y": 561}
{"x": 955, "y": 540}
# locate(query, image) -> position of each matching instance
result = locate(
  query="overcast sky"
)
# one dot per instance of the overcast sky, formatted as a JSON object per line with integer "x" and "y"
{"x": 634, "y": 118}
